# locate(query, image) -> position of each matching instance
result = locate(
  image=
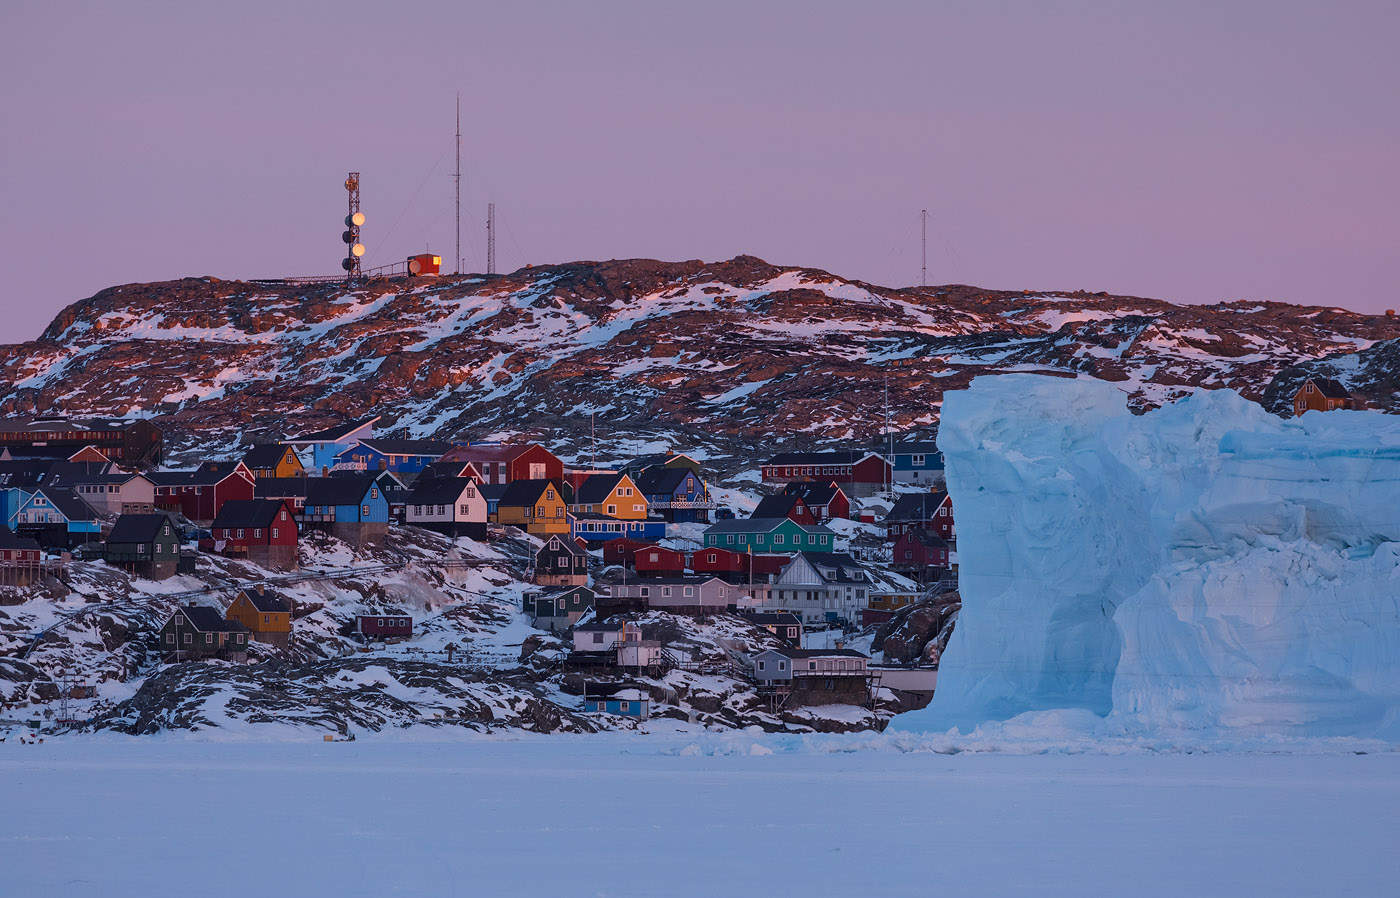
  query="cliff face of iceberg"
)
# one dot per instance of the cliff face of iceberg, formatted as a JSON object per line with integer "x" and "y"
{"x": 1206, "y": 566}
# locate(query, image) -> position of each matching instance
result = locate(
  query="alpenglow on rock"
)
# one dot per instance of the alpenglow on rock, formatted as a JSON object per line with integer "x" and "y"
{"x": 1205, "y": 567}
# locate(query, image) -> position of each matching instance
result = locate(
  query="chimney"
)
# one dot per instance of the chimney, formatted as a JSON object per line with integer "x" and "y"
{"x": 192, "y": 604}
{"x": 259, "y": 588}
{"x": 840, "y": 644}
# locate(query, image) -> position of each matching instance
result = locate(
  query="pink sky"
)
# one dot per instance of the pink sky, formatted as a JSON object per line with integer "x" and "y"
{"x": 1189, "y": 151}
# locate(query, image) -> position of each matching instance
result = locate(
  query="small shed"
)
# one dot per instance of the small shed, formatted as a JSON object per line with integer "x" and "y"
{"x": 384, "y": 626}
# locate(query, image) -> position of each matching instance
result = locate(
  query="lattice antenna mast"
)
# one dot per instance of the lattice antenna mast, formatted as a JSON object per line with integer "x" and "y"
{"x": 457, "y": 179}
{"x": 490, "y": 238}
{"x": 354, "y": 249}
{"x": 923, "y": 277}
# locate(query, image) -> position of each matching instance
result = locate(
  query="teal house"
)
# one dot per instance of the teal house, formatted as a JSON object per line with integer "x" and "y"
{"x": 768, "y": 535}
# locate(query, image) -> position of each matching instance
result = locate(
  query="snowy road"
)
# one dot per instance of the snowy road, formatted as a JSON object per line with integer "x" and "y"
{"x": 616, "y": 816}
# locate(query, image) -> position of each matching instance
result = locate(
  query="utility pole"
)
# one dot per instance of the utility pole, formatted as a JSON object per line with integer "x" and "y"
{"x": 490, "y": 238}
{"x": 457, "y": 180}
{"x": 923, "y": 278}
{"x": 889, "y": 436}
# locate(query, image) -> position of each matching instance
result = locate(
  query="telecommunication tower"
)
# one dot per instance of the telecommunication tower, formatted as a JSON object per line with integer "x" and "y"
{"x": 354, "y": 249}
{"x": 457, "y": 179}
{"x": 490, "y": 238}
{"x": 923, "y": 279}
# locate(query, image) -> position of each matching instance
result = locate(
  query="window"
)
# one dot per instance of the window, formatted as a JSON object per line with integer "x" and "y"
{"x": 1310, "y": 386}
{"x": 465, "y": 509}
{"x": 240, "y": 532}
{"x": 257, "y": 533}
{"x": 282, "y": 516}
{"x": 712, "y": 558}
{"x": 442, "y": 509}
{"x": 549, "y": 493}
{"x": 267, "y": 618}
{"x": 170, "y": 638}
{"x": 729, "y": 539}
{"x": 760, "y": 665}
{"x": 159, "y": 546}
{"x": 208, "y": 638}
{"x": 141, "y": 549}
{"x": 364, "y": 511}
{"x": 690, "y": 590}
{"x": 779, "y": 539}
{"x": 597, "y": 638}
{"x": 811, "y": 539}
{"x": 374, "y": 492}
{"x": 625, "y": 706}
{"x": 381, "y": 621}
{"x": 470, "y": 492}
{"x": 539, "y": 511}
{"x": 917, "y": 461}
{"x": 274, "y": 532}
{"x": 188, "y": 639}
{"x": 612, "y": 509}
{"x": 417, "y": 510}
{"x": 646, "y": 592}
{"x": 666, "y": 591}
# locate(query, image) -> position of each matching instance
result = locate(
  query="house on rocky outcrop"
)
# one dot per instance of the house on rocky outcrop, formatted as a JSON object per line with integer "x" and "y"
{"x": 558, "y": 609}
{"x": 677, "y": 493}
{"x": 264, "y": 531}
{"x": 406, "y": 458}
{"x": 498, "y": 463}
{"x": 806, "y": 677}
{"x": 561, "y": 562}
{"x": 1321, "y": 394}
{"x": 453, "y": 506}
{"x": 931, "y": 511}
{"x": 768, "y": 535}
{"x": 785, "y": 505}
{"x": 918, "y": 463}
{"x": 825, "y": 500}
{"x": 196, "y": 633}
{"x": 57, "y": 518}
{"x": 383, "y": 626}
{"x": 352, "y": 508}
{"x": 266, "y": 614}
{"x": 21, "y": 559}
{"x": 325, "y": 445}
{"x": 199, "y": 494}
{"x": 535, "y": 506}
{"x": 859, "y": 473}
{"x": 146, "y": 545}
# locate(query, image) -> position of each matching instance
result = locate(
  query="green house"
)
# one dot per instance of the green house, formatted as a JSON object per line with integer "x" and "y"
{"x": 768, "y": 535}
{"x": 147, "y": 545}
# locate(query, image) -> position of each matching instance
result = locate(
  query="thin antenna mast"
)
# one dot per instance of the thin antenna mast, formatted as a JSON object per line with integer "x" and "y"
{"x": 457, "y": 179}
{"x": 490, "y": 238}
{"x": 923, "y": 278}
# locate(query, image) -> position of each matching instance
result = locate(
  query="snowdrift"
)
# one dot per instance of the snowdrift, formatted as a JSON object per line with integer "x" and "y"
{"x": 1205, "y": 567}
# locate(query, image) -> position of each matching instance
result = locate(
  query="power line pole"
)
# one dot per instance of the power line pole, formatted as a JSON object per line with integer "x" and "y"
{"x": 490, "y": 238}
{"x": 457, "y": 179}
{"x": 923, "y": 278}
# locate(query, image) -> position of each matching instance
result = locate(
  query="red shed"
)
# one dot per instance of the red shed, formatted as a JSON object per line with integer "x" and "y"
{"x": 262, "y": 530}
{"x": 656, "y": 561}
{"x": 424, "y": 264}
{"x": 381, "y": 626}
{"x": 717, "y": 562}
{"x": 623, "y": 550}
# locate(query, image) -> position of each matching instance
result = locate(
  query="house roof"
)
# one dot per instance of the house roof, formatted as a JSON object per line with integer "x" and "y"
{"x": 332, "y": 434}
{"x": 656, "y": 459}
{"x": 139, "y": 528}
{"x": 917, "y": 506}
{"x": 267, "y": 455}
{"x": 781, "y": 618}
{"x": 599, "y": 628}
{"x": 267, "y": 601}
{"x": 282, "y": 487}
{"x": 568, "y": 544}
{"x": 916, "y": 447}
{"x": 804, "y": 654}
{"x": 662, "y": 481}
{"x": 837, "y": 457}
{"x": 438, "y": 490}
{"x": 813, "y": 492}
{"x": 760, "y": 525}
{"x": 248, "y": 513}
{"x": 555, "y": 594}
{"x": 55, "y": 422}
{"x": 69, "y": 503}
{"x": 207, "y": 474}
{"x": 1330, "y": 388}
{"x": 208, "y": 620}
{"x": 926, "y": 538}
{"x": 525, "y": 492}
{"x": 493, "y": 492}
{"x": 596, "y": 488}
{"x": 347, "y": 490}
{"x": 447, "y": 469}
{"x": 433, "y": 448}
{"x": 488, "y": 452}
{"x": 837, "y": 567}
{"x": 687, "y": 580}
{"x": 8, "y": 540}
{"x": 779, "y": 506}
{"x": 22, "y": 473}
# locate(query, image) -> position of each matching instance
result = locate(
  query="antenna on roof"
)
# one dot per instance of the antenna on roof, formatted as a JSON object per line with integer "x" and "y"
{"x": 923, "y": 277}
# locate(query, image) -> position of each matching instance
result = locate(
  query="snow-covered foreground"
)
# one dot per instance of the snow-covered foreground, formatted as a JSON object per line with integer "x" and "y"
{"x": 704, "y": 815}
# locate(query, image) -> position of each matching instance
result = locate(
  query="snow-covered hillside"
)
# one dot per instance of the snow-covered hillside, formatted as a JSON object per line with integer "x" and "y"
{"x": 723, "y": 356}
{"x": 1204, "y": 567}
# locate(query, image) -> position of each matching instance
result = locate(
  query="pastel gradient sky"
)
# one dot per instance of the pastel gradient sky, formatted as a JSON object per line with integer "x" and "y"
{"x": 1192, "y": 151}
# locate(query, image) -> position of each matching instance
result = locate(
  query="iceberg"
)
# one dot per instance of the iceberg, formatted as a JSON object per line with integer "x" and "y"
{"x": 1204, "y": 567}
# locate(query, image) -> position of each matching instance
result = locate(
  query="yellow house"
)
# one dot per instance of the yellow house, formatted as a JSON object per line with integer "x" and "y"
{"x": 535, "y": 506}
{"x": 267, "y": 615}
{"x": 273, "y": 460}
{"x": 614, "y": 495}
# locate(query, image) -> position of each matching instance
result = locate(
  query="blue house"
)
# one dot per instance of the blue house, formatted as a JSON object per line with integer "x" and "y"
{"x": 598, "y": 528}
{"x": 626, "y": 702}
{"x": 18, "y": 481}
{"x": 346, "y": 499}
{"x": 920, "y": 464}
{"x": 325, "y": 445}
{"x": 398, "y": 456}
{"x": 678, "y": 494}
{"x": 57, "y": 517}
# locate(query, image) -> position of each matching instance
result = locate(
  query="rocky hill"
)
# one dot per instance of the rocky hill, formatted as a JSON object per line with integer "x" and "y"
{"x": 723, "y": 356}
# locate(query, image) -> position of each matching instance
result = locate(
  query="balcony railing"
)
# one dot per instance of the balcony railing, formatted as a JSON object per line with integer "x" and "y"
{"x": 682, "y": 505}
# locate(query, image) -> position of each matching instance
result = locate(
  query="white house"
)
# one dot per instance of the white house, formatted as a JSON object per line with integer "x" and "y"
{"x": 821, "y": 586}
{"x": 706, "y": 595}
{"x": 450, "y": 505}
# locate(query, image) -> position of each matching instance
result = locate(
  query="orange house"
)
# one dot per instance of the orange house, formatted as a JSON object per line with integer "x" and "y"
{"x": 1321, "y": 394}
{"x": 267, "y": 615}
{"x": 614, "y": 495}
{"x": 535, "y": 506}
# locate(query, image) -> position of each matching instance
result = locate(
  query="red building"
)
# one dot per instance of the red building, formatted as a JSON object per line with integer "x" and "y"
{"x": 932, "y": 511}
{"x": 825, "y": 500}
{"x": 858, "y": 473}
{"x": 623, "y": 550}
{"x": 383, "y": 626}
{"x": 921, "y": 555}
{"x": 198, "y": 495}
{"x": 264, "y": 531}
{"x": 785, "y": 505}
{"x": 21, "y": 560}
{"x": 507, "y": 464}
{"x": 424, "y": 264}
{"x": 657, "y": 561}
